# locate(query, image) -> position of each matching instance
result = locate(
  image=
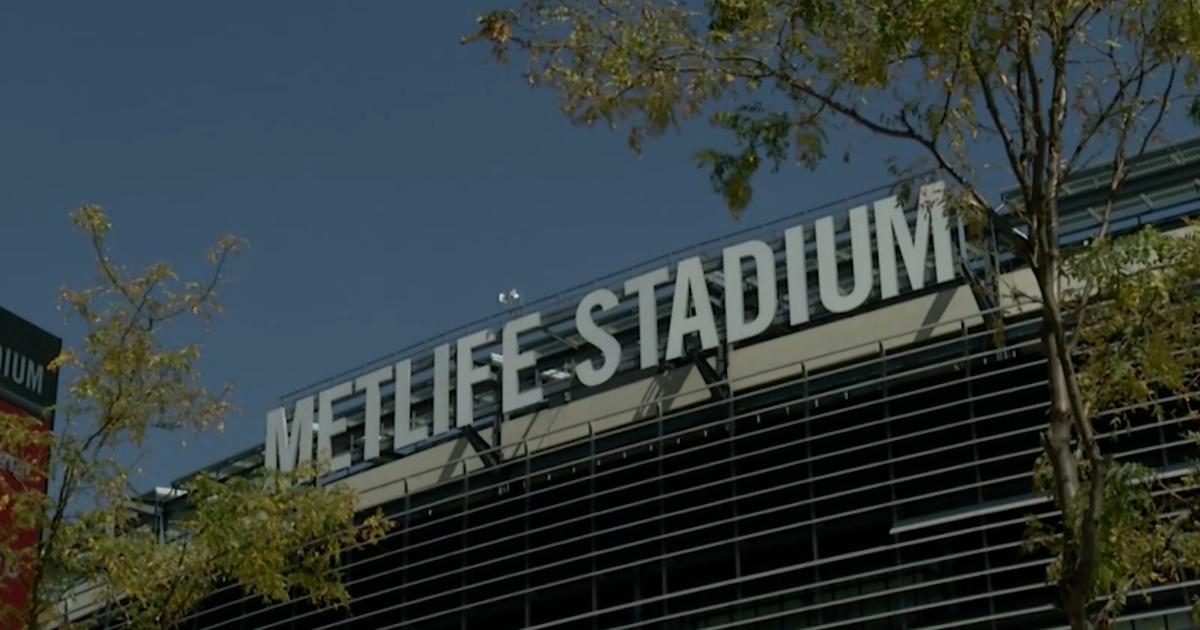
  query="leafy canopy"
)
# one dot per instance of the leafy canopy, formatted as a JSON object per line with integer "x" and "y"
{"x": 1014, "y": 93}
{"x": 130, "y": 377}
{"x": 786, "y": 76}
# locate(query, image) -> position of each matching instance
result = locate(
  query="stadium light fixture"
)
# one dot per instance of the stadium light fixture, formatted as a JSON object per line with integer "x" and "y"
{"x": 509, "y": 297}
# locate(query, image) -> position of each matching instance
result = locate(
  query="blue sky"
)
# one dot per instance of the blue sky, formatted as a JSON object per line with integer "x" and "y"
{"x": 390, "y": 181}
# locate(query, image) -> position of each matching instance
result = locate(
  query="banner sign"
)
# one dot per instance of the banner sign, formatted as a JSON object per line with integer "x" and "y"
{"x": 876, "y": 235}
{"x": 25, "y": 353}
{"x": 28, "y": 388}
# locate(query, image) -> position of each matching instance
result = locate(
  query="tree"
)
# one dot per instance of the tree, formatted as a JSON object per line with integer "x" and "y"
{"x": 277, "y": 536}
{"x": 1036, "y": 89}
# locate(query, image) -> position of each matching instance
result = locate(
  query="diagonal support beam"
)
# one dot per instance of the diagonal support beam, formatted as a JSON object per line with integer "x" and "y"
{"x": 489, "y": 454}
{"x": 713, "y": 377}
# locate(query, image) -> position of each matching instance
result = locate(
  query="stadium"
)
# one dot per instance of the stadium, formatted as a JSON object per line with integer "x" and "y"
{"x": 839, "y": 445}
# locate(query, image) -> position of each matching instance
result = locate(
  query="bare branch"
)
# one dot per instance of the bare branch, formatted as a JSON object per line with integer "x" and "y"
{"x": 1010, "y": 149}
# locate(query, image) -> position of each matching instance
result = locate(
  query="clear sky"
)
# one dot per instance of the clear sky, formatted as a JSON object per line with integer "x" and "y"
{"x": 389, "y": 180}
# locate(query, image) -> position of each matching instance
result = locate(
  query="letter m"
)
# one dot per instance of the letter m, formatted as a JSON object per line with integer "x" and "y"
{"x": 891, "y": 230}
{"x": 285, "y": 450}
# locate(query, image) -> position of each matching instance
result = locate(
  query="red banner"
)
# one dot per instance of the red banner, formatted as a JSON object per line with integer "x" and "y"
{"x": 19, "y": 474}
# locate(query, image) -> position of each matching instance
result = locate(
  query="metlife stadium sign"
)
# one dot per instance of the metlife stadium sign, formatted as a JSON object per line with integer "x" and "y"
{"x": 290, "y": 443}
{"x": 27, "y": 387}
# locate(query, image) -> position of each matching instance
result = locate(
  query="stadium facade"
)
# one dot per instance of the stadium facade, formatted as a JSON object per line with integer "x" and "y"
{"x": 848, "y": 447}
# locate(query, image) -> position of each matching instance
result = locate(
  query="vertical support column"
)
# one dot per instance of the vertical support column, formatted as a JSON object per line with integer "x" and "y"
{"x": 812, "y": 505}
{"x": 662, "y": 519}
{"x": 724, "y": 353}
{"x": 406, "y": 551}
{"x": 733, "y": 503}
{"x": 891, "y": 467}
{"x": 592, "y": 521}
{"x": 525, "y": 518}
{"x": 462, "y": 537}
{"x": 968, "y": 376}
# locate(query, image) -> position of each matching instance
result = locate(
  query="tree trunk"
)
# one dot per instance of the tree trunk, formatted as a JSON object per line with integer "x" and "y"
{"x": 1068, "y": 421}
{"x": 1057, "y": 443}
